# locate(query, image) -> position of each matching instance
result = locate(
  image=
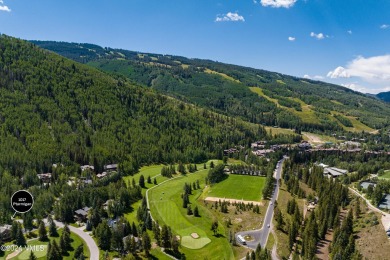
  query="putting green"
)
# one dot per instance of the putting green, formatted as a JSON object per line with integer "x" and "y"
{"x": 194, "y": 243}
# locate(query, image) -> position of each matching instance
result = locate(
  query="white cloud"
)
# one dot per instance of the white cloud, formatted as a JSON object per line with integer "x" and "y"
{"x": 291, "y": 39}
{"x": 364, "y": 89}
{"x": 384, "y": 26}
{"x": 373, "y": 69}
{"x": 356, "y": 87}
{"x": 349, "y": 32}
{"x": 316, "y": 77}
{"x": 230, "y": 17}
{"x": 319, "y": 36}
{"x": 4, "y": 7}
{"x": 339, "y": 72}
{"x": 278, "y": 3}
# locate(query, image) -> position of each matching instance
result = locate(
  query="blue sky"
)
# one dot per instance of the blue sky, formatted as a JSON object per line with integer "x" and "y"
{"x": 339, "y": 41}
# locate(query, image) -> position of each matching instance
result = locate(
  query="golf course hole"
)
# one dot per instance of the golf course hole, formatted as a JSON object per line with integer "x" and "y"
{"x": 195, "y": 235}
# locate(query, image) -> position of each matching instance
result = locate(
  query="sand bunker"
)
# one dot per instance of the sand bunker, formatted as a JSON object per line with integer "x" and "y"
{"x": 194, "y": 235}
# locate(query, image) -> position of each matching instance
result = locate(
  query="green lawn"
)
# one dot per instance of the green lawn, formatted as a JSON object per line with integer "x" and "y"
{"x": 166, "y": 207}
{"x": 41, "y": 254}
{"x": 386, "y": 175}
{"x": 239, "y": 187}
{"x": 154, "y": 172}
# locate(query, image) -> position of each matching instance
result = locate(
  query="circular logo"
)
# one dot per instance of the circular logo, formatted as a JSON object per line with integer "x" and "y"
{"x": 22, "y": 201}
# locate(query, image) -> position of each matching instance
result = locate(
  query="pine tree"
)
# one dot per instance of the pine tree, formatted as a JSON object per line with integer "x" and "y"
{"x": 52, "y": 227}
{"x": 146, "y": 243}
{"x": 181, "y": 168}
{"x": 20, "y": 239}
{"x": 357, "y": 208}
{"x": 66, "y": 236}
{"x": 14, "y": 229}
{"x": 165, "y": 237}
{"x": 196, "y": 211}
{"x": 141, "y": 181}
{"x": 117, "y": 238}
{"x": 32, "y": 256}
{"x": 42, "y": 233}
{"x": 155, "y": 181}
{"x": 175, "y": 244}
{"x": 54, "y": 252}
{"x": 134, "y": 230}
{"x": 157, "y": 233}
{"x": 103, "y": 235}
{"x": 189, "y": 210}
{"x": 214, "y": 227}
{"x": 149, "y": 180}
{"x": 79, "y": 250}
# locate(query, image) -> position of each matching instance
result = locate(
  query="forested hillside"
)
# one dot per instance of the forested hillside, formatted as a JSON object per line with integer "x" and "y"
{"x": 385, "y": 96}
{"x": 54, "y": 110}
{"x": 254, "y": 95}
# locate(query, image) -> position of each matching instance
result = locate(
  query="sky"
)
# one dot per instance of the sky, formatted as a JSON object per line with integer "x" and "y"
{"x": 345, "y": 42}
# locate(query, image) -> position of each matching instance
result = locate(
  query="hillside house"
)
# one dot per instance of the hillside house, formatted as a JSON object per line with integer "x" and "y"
{"x": 111, "y": 167}
{"x": 230, "y": 151}
{"x": 87, "y": 167}
{"x": 101, "y": 175}
{"x": 44, "y": 177}
{"x": 304, "y": 145}
{"x": 137, "y": 240}
{"x": 263, "y": 152}
{"x": 82, "y": 214}
{"x": 365, "y": 184}
{"x": 5, "y": 233}
{"x": 258, "y": 145}
{"x": 333, "y": 172}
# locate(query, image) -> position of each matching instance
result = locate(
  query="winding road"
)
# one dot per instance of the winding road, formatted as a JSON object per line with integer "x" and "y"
{"x": 385, "y": 216}
{"x": 93, "y": 248}
{"x": 261, "y": 235}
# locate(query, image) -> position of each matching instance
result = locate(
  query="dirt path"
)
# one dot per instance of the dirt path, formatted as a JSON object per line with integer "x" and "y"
{"x": 313, "y": 138}
{"x": 323, "y": 246}
{"x": 13, "y": 254}
{"x": 213, "y": 199}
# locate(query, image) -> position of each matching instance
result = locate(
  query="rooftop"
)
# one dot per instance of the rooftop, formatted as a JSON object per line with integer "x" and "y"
{"x": 366, "y": 184}
{"x": 385, "y": 203}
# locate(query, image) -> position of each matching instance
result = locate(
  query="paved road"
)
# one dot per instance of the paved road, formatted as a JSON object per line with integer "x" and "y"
{"x": 261, "y": 235}
{"x": 93, "y": 248}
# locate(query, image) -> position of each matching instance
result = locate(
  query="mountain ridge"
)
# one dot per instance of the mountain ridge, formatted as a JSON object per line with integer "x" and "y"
{"x": 55, "y": 110}
{"x": 385, "y": 96}
{"x": 254, "y": 95}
